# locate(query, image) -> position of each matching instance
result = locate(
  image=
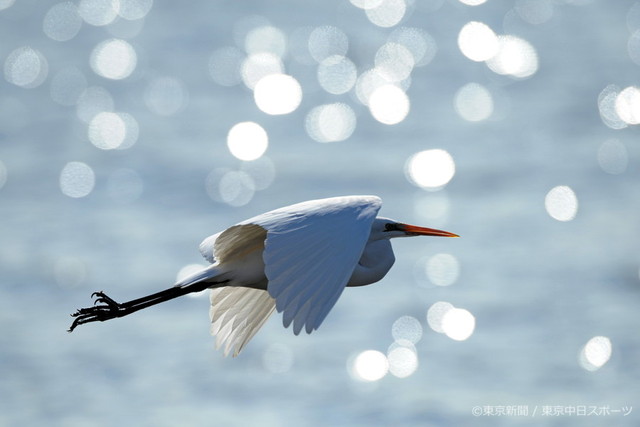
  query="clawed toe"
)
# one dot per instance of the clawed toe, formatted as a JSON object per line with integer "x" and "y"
{"x": 104, "y": 308}
{"x": 102, "y": 298}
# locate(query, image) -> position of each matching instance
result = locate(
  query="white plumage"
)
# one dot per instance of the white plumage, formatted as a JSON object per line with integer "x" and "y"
{"x": 309, "y": 251}
{"x": 297, "y": 259}
{"x": 237, "y": 314}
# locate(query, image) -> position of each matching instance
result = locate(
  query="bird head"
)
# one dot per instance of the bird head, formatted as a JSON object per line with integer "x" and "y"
{"x": 385, "y": 228}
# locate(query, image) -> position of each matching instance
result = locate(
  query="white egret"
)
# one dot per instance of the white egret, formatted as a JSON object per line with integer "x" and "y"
{"x": 296, "y": 259}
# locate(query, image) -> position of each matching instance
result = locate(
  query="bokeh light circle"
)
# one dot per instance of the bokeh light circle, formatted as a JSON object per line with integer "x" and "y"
{"x": 247, "y": 141}
{"x": 443, "y": 269}
{"x": 394, "y": 61}
{"x": 277, "y": 94}
{"x": 458, "y": 324}
{"x": 627, "y": 105}
{"x": 422, "y": 46}
{"x": 330, "y": 122}
{"x": 98, "y": 12}
{"x": 389, "y": 104}
{"x": 473, "y": 102}
{"x": 607, "y": 106}
{"x": 26, "y": 67}
{"x": 113, "y": 59}
{"x": 515, "y": 57}
{"x": 266, "y": 38}
{"x": 407, "y": 328}
{"x": 62, "y": 22}
{"x": 373, "y": 79}
{"x": 370, "y": 365}
{"x": 337, "y": 74}
{"x": 386, "y": 13}
{"x": 77, "y": 180}
{"x": 561, "y": 203}
{"x": 107, "y": 130}
{"x": 327, "y": 41}
{"x": 262, "y": 171}
{"x": 477, "y": 41}
{"x": 633, "y": 47}
{"x": 403, "y": 361}
{"x": 367, "y": 83}
{"x": 257, "y": 66}
{"x": 595, "y": 353}
{"x": 436, "y": 313}
{"x": 430, "y": 169}
{"x": 236, "y": 188}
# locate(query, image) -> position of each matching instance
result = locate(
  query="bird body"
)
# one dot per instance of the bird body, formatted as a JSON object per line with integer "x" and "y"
{"x": 376, "y": 260}
{"x": 297, "y": 260}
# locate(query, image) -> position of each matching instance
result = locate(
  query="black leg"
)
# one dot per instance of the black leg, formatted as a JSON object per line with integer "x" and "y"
{"x": 105, "y": 308}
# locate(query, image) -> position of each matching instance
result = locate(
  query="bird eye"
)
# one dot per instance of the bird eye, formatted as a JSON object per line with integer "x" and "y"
{"x": 390, "y": 226}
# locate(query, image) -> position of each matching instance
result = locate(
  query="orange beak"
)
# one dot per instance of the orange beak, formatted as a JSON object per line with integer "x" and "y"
{"x": 414, "y": 230}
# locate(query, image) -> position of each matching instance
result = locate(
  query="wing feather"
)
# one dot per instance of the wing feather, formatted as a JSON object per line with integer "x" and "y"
{"x": 296, "y": 288}
{"x": 232, "y": 242}
{"x": 237, "y": 314}
{"x": 311, "y": 251}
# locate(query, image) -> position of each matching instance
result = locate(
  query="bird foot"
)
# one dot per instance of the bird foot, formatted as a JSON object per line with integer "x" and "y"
{"x": 104, "y": 308}
{"x": 102, "y": 298}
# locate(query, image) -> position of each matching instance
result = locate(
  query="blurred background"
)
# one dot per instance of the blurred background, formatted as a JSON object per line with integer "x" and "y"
{"x": 130, "y": 130}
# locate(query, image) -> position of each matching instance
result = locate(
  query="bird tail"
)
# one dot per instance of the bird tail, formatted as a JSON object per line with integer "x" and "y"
{"x": 211, "y": 274}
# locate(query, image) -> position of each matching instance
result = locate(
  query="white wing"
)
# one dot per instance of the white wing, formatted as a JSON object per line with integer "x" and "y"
{"x": 206, "y": 247}
{"x": 233, "y": 242}
{"x": 310, "y": 253}
{"x": 237, "y": 314}
{"x": 311, "y": 250}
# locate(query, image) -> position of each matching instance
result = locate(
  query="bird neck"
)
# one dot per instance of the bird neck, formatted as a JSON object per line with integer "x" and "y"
{"x": 376, "y": 260}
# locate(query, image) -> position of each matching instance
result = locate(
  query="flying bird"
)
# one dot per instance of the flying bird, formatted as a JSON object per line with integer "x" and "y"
{"x": 297, "y": 260}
